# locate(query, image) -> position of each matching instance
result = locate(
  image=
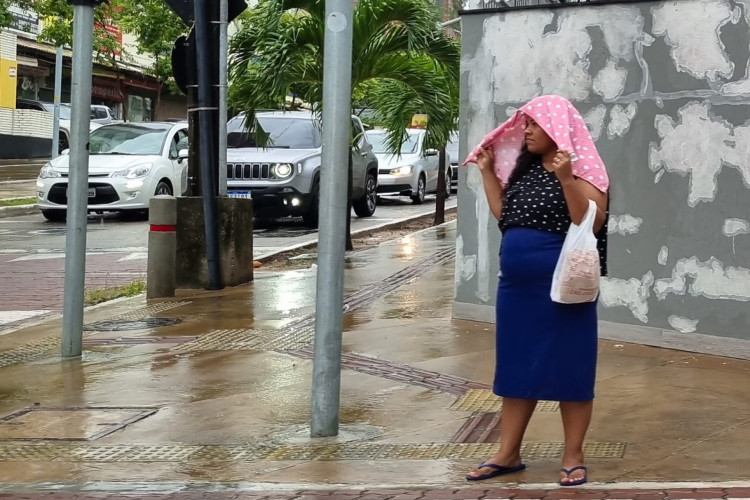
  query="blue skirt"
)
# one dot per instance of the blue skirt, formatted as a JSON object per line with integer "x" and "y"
{"x": 545, "y": 350}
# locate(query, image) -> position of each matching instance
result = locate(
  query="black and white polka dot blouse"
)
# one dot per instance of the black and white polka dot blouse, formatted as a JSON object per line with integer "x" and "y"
{"x": 536, "y": 200}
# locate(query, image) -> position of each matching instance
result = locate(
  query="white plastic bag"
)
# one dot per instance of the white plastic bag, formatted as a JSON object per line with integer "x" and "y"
{"x": 577, "y": 273}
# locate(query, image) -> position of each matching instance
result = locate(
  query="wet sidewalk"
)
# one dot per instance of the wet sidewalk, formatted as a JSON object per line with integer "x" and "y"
{"x": 208, "y": 396}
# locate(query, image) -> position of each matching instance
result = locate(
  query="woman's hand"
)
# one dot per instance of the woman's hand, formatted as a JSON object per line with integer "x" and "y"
{"x": 486, "y": 160}
{"x": 562, "y": 167}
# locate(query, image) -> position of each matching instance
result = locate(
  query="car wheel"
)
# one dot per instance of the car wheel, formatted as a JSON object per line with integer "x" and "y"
{"x": 448, "y": 189}
{"x": 54, "y": 215}
{"x": 418, "y": 197}
{"x": 163, "y": 188}
{"x": 310, "y": 217}
{"x": 365, "y": 206}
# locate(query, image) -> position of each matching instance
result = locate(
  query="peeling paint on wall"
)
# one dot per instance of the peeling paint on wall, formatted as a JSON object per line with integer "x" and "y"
{"x": 735, "y": 227}
{"x": 694, "y": 146}
{"x": 466, "y": 265}
{"x": 595, "y": 120}
{"x": 708, "y": 279}
{"x": 620, "y": 118}
{"x": 683, "y": 325}
{"x": 691, "y": 29}
{"x": 632, "y": 293}
{"x": 624, "y": 224}
{"x": 662, "y": 88}
{"x": 663, "y": 256}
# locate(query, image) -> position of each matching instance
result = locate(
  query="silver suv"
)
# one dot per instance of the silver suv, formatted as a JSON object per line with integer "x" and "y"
{"x": 284, "y": 177}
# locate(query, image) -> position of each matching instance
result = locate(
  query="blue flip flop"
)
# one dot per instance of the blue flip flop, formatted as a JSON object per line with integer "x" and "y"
{"x": 499, "y": 471}
{"x": 570, "y": 471}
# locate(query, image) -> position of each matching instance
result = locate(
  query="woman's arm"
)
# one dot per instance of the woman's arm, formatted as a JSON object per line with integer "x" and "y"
{"x": 578, "y": 192}
{"x": 492, "y": 187}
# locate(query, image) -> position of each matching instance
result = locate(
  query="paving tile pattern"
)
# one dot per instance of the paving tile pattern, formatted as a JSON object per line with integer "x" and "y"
{"x": 400, "y": 372}
{"x": 479, "y": 493}
{"x": 22, "y": 451}
{"x": 48, "y": 346}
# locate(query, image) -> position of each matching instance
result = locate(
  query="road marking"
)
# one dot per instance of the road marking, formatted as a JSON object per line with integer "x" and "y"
{"x": 134, "y": 256}
{"x": 7, "y": 317}
{"x": 49, "y": 256}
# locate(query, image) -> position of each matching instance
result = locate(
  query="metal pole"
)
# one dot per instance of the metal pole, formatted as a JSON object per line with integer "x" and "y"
{"x": 223, "y": 41}
{"x": 207, "y": 136}
{"x": 75, "y": 239}
{"x": 58, "y": 91}
{"x": 337, "y": 74}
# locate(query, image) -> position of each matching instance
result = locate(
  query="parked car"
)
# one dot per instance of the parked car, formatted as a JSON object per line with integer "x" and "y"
{"x": 283, "y": 177}
{"x": 128, "y": 164}
{"x": 100, "y": 115}
{"x": 452, "y": 150}
{"x": 414, "y": 172}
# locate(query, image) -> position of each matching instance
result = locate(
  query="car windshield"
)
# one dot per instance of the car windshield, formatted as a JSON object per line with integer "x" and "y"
{"x": 379, "y": 139}
{"x": 64, "y": 110}
{"x": 282, "y": 132}
{"x": 127, "y": 140}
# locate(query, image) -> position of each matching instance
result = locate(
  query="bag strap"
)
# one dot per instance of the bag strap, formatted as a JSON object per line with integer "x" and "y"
{"x": 588, "y": 220}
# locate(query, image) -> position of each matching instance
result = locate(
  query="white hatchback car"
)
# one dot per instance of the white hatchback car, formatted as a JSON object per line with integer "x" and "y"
{"x": 128, "y": 164}
{"x": 413, "y": 173}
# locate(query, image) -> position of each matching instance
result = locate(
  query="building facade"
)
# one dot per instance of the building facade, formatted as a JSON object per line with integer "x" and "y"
{"x": 665, "y": 89}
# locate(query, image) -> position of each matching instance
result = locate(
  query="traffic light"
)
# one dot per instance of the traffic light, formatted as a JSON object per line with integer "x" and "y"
{"x": 186, "y": 11}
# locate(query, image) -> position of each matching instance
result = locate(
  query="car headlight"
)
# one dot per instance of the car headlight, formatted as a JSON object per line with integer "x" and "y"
{"x": 282, "y": 170}
{"x": 135, "y": 172}
{"x": 405, "y": 170}
{"x": 48, "y": 172}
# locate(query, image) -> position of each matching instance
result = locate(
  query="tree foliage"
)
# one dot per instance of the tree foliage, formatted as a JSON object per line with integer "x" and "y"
{"x": 153, "y": 24}
{"x": 155, "y": 27}
{"x": 403, "y": 63}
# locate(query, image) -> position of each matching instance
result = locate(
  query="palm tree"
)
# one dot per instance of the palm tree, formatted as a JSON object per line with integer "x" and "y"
{"x": 402, "y": 62}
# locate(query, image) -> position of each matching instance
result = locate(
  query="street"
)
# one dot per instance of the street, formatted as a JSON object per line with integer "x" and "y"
{"x": 32, "y": 252}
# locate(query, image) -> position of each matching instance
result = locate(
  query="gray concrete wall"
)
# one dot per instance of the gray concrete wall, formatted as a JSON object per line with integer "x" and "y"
{"x": 665, "y": 88}
{"x": 235, "y": 223}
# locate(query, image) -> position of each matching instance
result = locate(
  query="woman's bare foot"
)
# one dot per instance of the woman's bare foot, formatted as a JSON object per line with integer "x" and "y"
{"x": 501, "y": 459}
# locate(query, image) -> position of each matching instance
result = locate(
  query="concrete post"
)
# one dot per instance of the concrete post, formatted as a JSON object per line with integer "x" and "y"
{"x": 162, "y": 247}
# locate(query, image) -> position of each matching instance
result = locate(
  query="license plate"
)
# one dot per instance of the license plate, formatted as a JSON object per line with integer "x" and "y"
{"x": 91, "y": 191}
{"x": 240, "y": 194}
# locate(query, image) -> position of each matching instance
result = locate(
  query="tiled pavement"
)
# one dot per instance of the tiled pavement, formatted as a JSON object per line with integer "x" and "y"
{"x": 487, "y": 493}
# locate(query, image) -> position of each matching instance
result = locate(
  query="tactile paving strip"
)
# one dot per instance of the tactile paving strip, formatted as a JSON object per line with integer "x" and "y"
{"x": 152, "y": 310}
{"x": 47, "y": 346}
{"x": 22, "y": 452}
{"x": 485, "y": 401}
{"x": 228, "y": 340}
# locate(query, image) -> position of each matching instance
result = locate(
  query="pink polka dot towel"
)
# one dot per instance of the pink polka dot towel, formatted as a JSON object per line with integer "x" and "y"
{"x": 563, "y": 123}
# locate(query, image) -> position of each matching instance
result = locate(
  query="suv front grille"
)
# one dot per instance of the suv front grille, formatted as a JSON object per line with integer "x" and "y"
{"x": 249, "y": 171}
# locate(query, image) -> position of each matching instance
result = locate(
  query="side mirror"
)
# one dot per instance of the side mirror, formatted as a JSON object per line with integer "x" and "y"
{"x": 431, "y": 152}
{"x": 183, "y": 154}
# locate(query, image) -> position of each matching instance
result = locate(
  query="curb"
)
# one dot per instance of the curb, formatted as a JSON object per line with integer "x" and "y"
{"x": 18, "y": 211}
{"x": 359, "y": 232}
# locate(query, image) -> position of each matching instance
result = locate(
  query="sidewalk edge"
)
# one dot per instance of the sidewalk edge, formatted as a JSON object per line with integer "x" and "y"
{"x": 359, "y": 232}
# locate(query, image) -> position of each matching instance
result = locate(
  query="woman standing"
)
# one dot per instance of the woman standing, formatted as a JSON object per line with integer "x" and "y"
{"x": 540, "y": 169}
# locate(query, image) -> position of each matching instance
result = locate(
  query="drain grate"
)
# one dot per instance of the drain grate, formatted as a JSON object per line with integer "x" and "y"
{"x": 484, "y": 400}
{"x": 181, "y": 453}
{"x": 118, "y": 325}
